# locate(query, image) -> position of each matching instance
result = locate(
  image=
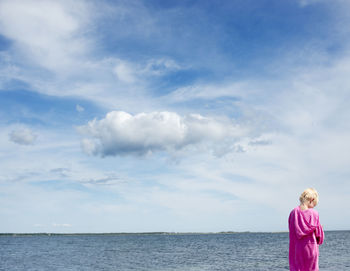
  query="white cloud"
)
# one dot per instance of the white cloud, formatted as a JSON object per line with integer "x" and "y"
{"x": 304, "y": 3}
{"x": 244, "y": 90}
{"x": 53, "y": 49}
{"x": 129, "y": 72}
{"x": 45, "y": 32}
{"x": 124, "y": 72}
{"x": 161, "y": 66}
{"x": 79, "y": 108}
{"x": 23, "y": 136}
{"x": 121, "y": 133}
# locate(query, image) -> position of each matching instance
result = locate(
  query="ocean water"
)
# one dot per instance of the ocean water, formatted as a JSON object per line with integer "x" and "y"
{"x": 186, "y": 252}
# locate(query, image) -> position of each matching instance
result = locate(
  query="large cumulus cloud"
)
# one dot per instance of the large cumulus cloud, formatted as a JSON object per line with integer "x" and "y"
{"x": 121, "y": 133}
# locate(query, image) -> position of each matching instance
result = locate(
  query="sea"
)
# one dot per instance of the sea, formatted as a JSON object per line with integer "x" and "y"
{"x": 163, "y": 252}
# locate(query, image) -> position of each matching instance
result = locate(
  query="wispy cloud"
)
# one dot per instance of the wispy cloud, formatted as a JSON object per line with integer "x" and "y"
{"x": 129, "y": 72}
{"x": 79, "y": 108}
{"x": 45, "y": 32}
{"x": 305, "y": 3}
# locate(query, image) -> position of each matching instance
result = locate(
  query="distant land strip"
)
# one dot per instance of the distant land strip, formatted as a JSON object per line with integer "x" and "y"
{"x": 143, "y": 233}
{"x": 131, "y": 233}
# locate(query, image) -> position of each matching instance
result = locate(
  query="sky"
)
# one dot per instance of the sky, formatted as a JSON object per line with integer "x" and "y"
{"x": 178, "y": 116}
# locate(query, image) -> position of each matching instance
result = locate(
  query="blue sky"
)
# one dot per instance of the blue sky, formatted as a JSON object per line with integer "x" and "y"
{"x": 133, "y": 116}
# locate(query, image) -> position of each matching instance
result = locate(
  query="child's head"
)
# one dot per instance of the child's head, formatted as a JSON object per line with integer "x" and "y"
{"x": 309, "y": 197}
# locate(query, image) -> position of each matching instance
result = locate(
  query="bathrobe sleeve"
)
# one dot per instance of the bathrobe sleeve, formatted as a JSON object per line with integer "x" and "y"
{"x": 319, "y": 234}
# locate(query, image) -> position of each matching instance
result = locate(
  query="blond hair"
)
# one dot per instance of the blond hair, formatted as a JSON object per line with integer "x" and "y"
{"x": 309, "y": 194}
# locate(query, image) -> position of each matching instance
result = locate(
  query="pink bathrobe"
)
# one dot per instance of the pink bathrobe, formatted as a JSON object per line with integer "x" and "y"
{"x": 305, "y": 235}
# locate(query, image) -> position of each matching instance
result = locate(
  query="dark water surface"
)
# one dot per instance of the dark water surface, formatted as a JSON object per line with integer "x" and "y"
{"x": 241, "y": 251}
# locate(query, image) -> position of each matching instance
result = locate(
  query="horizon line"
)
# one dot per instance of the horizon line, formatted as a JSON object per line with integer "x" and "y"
{"x": 145, "y": 233}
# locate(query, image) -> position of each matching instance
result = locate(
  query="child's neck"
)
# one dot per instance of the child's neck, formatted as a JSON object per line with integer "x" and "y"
{"x": 303, "y": 207}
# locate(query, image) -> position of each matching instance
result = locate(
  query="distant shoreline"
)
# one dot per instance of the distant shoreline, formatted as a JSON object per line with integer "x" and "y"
{"x": 144, "y": 233}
